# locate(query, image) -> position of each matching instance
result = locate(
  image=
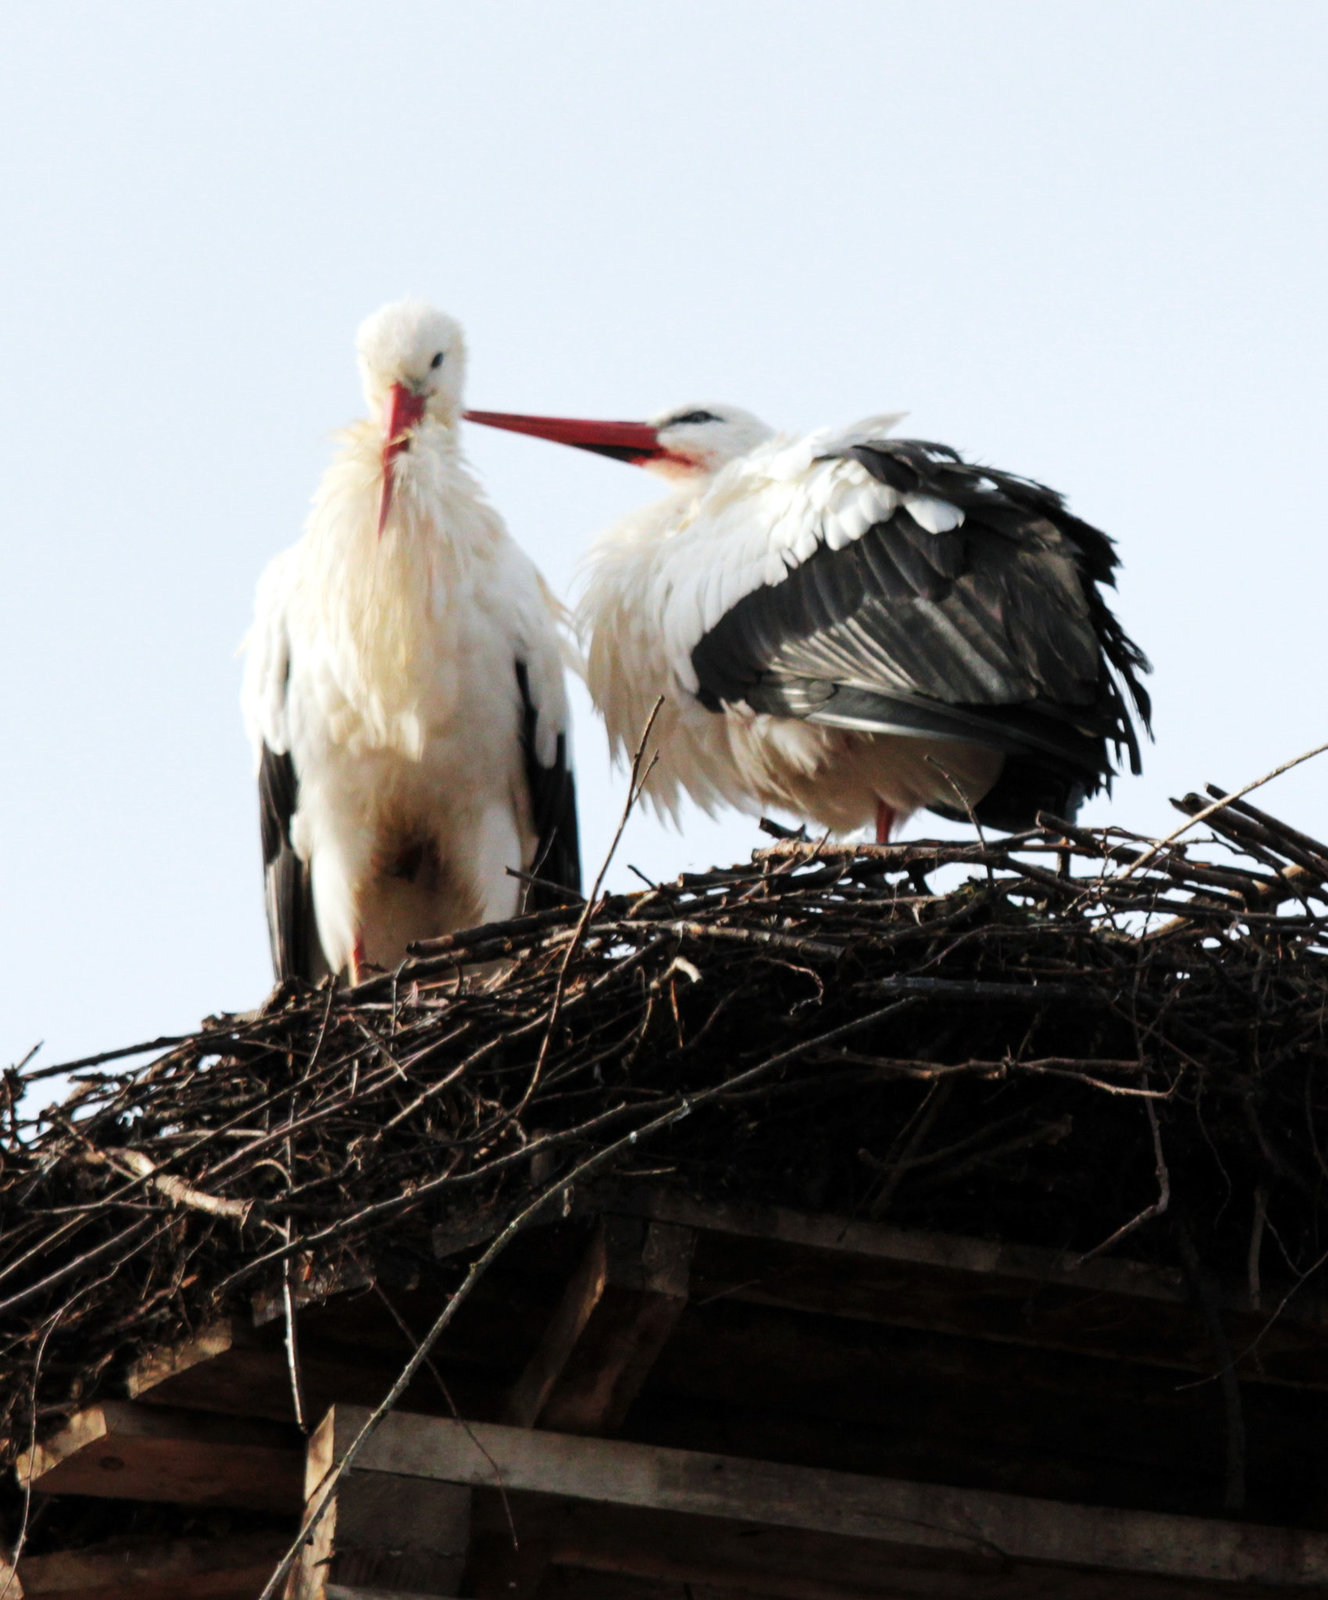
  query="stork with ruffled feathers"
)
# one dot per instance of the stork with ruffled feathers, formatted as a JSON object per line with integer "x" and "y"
{"x": 851, "y": 627}
{"x": 404, "y": 687}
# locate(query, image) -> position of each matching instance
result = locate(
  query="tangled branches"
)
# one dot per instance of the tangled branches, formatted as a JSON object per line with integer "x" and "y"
{"x": 1078, "y": 1039}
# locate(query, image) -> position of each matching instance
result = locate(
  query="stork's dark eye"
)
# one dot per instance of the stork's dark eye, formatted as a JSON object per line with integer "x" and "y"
{"x": 437, "y": 361}
{"x": 693, "y": 416}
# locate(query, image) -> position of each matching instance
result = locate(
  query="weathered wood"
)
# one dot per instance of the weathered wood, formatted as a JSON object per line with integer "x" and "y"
{"x": 620, "y": 1306}
{"x": 851, "y": 1237}
{"x": 901, "y": 1515}
{"x": 383, "y": 1535}
{"x": 224, "y": 1367}
{"x": 978, "y": 1288}
{"x": 584, "y": 1288}
{"x": 122, "y": 1451}
{"x": 783, "y": 1385}
{"x": 232, "y": 1368}
{"x": 232, "y": 1568}
{"x": 622, "y": 1553}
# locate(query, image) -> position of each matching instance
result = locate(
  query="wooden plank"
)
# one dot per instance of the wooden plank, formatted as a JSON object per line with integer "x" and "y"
{"x": 979, "y": 1288}
{"x": 616, "y": 1552}
{"x": 574, "y": 1584}
{"x": 584, "y": 1290}
{"x": 960, "y": 1442}
{"x": 232, "y": 1568}
{"x": 847, "y": 1236}
{"x": 619, "y": 1308}
{"x": 231, "y": 1368}
{"x": 384, "y": 1535}
{"x": 122, "y": 1451}
{"x": 891, "y": 1512}
{"x": 224, "y": 1367}
{"x": 752, "y": 1380}
{"x": 899, "y": 1583}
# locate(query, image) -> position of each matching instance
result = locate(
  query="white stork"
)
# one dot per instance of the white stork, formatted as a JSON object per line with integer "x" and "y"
{"x": 851, "y": 627}
{"x": 404, "y": 687}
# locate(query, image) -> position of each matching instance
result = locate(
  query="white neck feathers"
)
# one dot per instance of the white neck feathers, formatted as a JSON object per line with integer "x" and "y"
{"x": 385, "y": 610}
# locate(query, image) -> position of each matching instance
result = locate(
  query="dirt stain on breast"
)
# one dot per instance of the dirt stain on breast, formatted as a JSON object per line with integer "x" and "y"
{"x": 412, "y": 892}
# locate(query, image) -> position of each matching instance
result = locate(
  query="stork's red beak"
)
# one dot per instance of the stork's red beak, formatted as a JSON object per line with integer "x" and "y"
{"x": 403, "y": 410}
{"x": 636, "y": 442}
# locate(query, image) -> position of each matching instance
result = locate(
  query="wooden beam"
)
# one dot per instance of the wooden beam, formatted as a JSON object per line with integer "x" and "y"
{"x": 231, "y": 1568}
{"x": 851, "y": 1237}
{"x": 618, "y": 1310}
{"x": 612, "y": 1553}
{"x": 926, "y": 1407}
{"x": 616, "y": 1314}
{"x": 226, "y": 1366}
{"x": 230, "y": 1367}
{"x": 383, "y": 1535}
{"x": 121, "y": 1451}
{"x": 978, "y": 1288}
{"x": 962, "y": 1524}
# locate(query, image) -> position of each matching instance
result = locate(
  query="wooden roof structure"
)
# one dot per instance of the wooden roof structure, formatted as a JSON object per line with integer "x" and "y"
{"x": 863, "y": 1283}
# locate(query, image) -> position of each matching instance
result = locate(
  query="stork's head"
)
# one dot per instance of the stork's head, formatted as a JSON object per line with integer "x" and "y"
{"x": 413, "y": 365}
{"x": 689, "y": 441}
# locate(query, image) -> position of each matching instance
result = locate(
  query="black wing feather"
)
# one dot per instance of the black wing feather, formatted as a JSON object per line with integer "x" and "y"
{"x": 296, "y": 952}
{"x": 995, "y": 633}
{"x": 556, "y": 869}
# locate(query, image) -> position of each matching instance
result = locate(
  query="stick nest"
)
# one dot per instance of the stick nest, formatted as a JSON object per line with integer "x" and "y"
{"x": 1065, "y": 1038}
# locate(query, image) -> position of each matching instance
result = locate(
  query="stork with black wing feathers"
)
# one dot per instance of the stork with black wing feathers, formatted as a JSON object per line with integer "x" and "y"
{"x": 852, "y": 627}
{"x": 404, "y": 688}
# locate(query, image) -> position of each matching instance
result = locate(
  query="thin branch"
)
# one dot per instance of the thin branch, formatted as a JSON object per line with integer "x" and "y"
{"x": 1154, "y": 850}
{"x": 1158, "y": 1207}
{"x": 635, "y": 784}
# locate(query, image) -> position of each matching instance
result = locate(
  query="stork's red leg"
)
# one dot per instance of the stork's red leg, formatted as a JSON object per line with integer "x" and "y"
{"x": 358, "y": 959}
{"x": 885, "y": 822}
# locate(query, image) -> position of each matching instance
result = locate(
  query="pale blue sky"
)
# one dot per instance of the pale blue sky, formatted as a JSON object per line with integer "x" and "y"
{"x": 1082, "y": 241}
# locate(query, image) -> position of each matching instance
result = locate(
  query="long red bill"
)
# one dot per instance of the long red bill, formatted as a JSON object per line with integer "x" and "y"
{"x": 636, "y": 442}
{"x": 404, "y": 409}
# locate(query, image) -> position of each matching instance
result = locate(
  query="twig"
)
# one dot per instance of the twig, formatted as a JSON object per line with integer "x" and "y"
{"x": 120, "y": 1241}
{"x": 1158, "y": 1207}
{"x": 291, "y": 1338}
{"x": 48, "y": 1328}
{"x": 896, "y": 1166}
{"x": 165, "y": 1042}
{"x": 134, "y": 1164}
{"x": 635, "y": 784}
{"x": 1154, "y": 850}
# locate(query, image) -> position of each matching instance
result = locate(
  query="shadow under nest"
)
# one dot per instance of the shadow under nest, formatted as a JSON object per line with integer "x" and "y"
{"x": 1082, "y": 1042}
